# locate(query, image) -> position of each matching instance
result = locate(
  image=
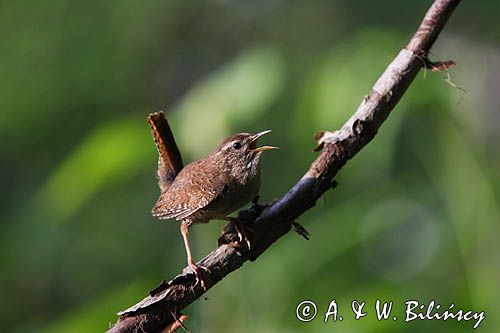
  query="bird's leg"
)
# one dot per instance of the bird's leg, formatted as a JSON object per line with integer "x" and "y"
{"x": 196, "y": 268}
{"x": 240, "y": 229}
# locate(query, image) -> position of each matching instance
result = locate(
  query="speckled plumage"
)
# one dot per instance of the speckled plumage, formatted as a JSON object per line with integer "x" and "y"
{"x": 207, "y": 189}
{"x": 212, "y": 187}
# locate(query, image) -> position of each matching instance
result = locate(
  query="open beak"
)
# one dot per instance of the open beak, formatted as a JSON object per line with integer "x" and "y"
{"x": 254, "y": 149}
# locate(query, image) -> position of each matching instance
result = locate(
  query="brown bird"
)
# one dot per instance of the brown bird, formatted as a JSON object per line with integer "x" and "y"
{"x": 207, "y": 189}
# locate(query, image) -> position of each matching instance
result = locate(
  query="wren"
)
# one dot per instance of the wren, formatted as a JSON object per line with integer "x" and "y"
{"x": 207, "y": 189}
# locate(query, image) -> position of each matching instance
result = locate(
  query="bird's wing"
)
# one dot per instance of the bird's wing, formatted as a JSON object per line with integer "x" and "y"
{"x": 170, "y": 159}
{"x": 189, "y": 193}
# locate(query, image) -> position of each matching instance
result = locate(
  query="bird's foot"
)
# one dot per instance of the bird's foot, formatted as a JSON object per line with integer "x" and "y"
{"x": 197, "y": 269}
{"x": 242, "y": 234}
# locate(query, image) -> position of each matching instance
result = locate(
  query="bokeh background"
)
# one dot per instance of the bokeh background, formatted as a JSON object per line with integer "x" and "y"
{"x": 415, "y": 215}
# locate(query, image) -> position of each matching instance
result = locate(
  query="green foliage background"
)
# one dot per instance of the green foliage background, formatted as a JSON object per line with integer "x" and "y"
{"x": 415, "y": 215}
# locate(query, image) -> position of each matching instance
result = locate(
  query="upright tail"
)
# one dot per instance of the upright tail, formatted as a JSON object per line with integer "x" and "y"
{"x": 170, "y": 159}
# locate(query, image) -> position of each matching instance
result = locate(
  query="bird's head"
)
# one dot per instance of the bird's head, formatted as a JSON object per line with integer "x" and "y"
{"x": 240, "y": 153}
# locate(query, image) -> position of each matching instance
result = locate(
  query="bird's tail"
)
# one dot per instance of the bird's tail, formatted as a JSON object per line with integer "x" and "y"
{"x": 170, "y": 159}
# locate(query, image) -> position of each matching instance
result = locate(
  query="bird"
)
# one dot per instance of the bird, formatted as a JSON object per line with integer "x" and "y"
{"x": 209, "y": 188}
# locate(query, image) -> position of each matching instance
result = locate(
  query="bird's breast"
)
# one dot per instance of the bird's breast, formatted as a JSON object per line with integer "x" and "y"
{"x": 238, "y": 194}
{"x": 234, "y": 196}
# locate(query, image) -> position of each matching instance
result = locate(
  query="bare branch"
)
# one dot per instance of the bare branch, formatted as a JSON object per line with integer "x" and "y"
{"x": 157, "y": 311}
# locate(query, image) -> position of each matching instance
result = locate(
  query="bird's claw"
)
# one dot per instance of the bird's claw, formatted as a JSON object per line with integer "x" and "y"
{"x": 240, "y": 230}
{"x": 199, "y": 277}
{"x": 242, "y": 235}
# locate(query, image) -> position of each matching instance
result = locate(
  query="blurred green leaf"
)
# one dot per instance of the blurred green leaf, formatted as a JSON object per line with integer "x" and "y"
{"x": 100, "y": 314}
{"x": 333, "y": 89}
{"x": 467, "y": 193}
{"x": 232, "y": 95}
{"x": 110, "y": 153}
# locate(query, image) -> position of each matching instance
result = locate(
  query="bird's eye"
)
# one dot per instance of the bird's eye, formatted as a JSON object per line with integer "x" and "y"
{"x": 236, "y": 145}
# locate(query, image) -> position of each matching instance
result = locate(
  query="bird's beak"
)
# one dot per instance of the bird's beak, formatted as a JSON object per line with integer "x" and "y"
{"x": 254, "y": 149}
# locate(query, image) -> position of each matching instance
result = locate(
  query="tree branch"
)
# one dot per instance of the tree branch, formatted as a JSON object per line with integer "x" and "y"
{"x": 159, "y": 311}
